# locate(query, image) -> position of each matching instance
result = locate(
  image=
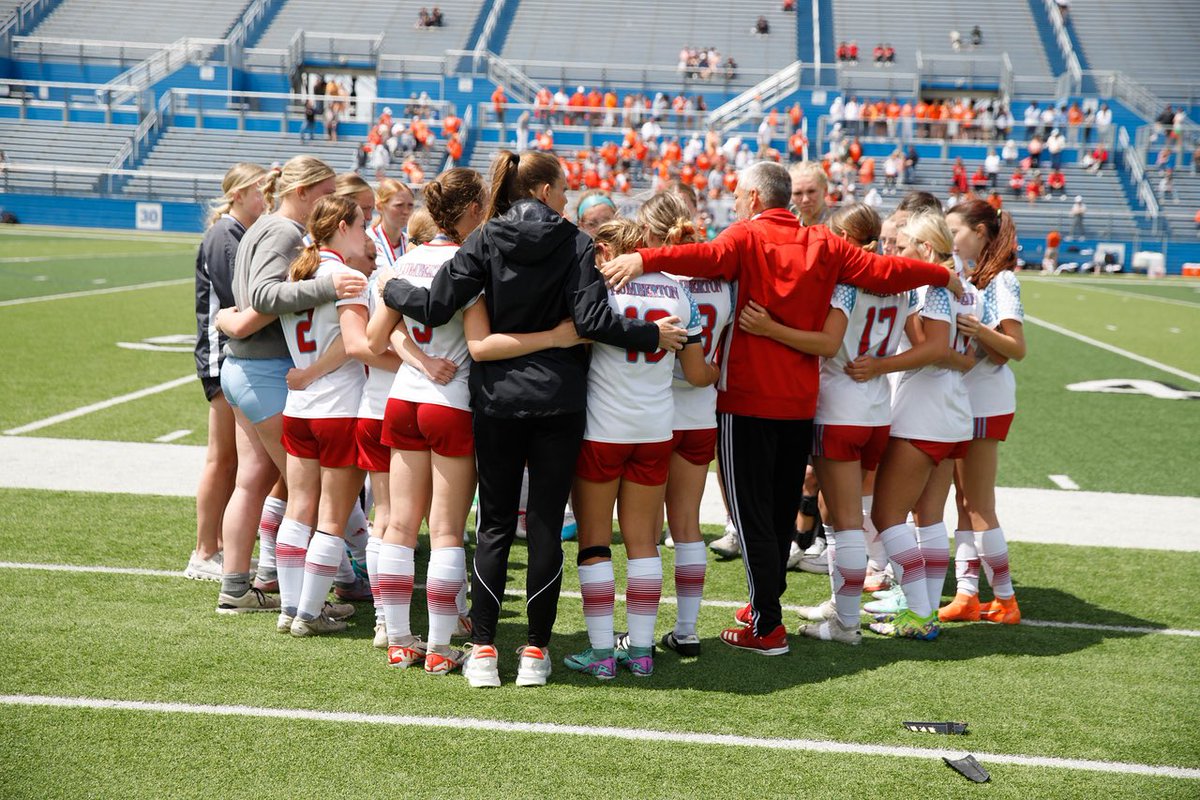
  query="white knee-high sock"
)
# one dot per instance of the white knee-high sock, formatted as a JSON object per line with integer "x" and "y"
{"x": 993, "y": 552}
{"x": 966, "y": 563}
{"x": 901, "y": 544}
{"x": 268, "y": 532}
{"x": 373, "y": 546}
{"x": 345, "y": 569}
{"x": 290, "y": 549}
{"x": 598, "y": 587}
{"x": 320, "y": 566}
{"x": 447, "y": 573}
{"x": 848, "y": 571}
{"x": 877, "y": 559}
{"x": 357, "y": 531}
{"x": 396, "y": 570}
{"x": 691, "y": 563}
{"x": 461, "y": 599}
{"x": 643, "y": 591}
{"x": 935, "y": 549}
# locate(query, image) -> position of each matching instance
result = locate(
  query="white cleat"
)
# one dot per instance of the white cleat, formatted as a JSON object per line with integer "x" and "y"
{"x": 534, "y": 666}
{"x": 480, "y": 669}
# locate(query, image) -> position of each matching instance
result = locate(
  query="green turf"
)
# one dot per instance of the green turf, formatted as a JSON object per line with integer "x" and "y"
{"x": 1185, "y": 290}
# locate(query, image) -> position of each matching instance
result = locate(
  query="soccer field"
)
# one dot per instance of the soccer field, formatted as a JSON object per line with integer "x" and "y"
{"x": 117, "y": 680}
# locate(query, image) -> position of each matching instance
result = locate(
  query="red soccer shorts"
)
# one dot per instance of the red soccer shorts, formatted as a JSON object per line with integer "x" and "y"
{"x": 993, "y": 427}
{"x": 940, "y": 451}
{"x": 698, "y": 447}
{"x": 373, "y": 454}
{"x": 861, "y": 443}
{"x": 329, "y": 442}
{"x": 428, "y": 426}
{"x": 647, "y": 464}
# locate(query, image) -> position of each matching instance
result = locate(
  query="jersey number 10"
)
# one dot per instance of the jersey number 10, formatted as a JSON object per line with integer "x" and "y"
{"x": 652, "y": 315}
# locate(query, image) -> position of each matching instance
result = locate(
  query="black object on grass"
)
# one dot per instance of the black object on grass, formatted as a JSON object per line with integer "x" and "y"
{"x": 956, "y": 728}
{"x": 969, "y": 768}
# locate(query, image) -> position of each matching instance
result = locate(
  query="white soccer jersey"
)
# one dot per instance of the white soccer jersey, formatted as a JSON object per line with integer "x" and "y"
{"x": 309, "y": 334}
{"x": 874, "y": 326}
{"x": 419, "y": 266}
{"x": 629, "y": 392}
{"x": 931, "y": 403}
{"x": 992, "y": 387}
{"x": 696, "y": 406}
{"x": 379, "y": 381}
{"x": 387, "y": 253}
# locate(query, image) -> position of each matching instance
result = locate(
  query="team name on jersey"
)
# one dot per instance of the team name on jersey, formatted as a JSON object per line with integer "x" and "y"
{"x": 648, "y": 290}
{"x": 419, "y": 270}
{"x": 703, "y": 285}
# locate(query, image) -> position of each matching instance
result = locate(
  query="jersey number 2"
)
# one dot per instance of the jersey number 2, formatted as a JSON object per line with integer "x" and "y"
{"x": 652, "y": 315}
{"x": 303, "y": 329}
{"x": 864, "y": 344}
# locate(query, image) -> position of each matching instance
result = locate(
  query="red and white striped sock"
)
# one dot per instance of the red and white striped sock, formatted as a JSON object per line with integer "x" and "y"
{"x": 966, "y": 563}
{"x": 291, "y": 547}
{"x": 598, "y": 587}
{"x": 848, "y": 570}
{"x": 901, "y": 544}
{"x": 935, "y": 549}
{"x": 643, "y": 591}
{"x": 373, "y": 574}
{"x": 268, "y": 532}
{"x": 396, "y": 570}
{"x": 993, "y": 551}
{"x": 446, "y": 577}
{"x": 691, "y": 563}
{"x": 320, "y": 566}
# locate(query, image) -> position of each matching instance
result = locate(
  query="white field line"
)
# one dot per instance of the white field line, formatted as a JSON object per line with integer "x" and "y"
{"x": 1141, "y": 296}
{"x": 1113, "y": 349}
{"x": 1063, "y": 482}
{"x": 21, "y": 301}
{"x": 172, "y": 436}
{"x": 666, "y": 599}
{"x": 625, "y": 734}
{"x": 88, "y": 257}
{"x": 104, "y": 234}
{"x": 112, "y": 401}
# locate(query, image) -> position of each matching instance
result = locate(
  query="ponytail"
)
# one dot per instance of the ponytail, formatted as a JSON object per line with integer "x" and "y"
{"x": 504, "y": 181}
{"x": 1000, "y": 252}
{"x": 305, "y": 265}
{"x": 240, "y": 177}
{"x": 515, "y": 177}
{"x": 269, "y": 186}
{"x": 667, "y": 217}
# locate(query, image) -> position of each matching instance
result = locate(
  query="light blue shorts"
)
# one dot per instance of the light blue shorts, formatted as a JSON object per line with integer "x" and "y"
{"x": 257, "y": 386}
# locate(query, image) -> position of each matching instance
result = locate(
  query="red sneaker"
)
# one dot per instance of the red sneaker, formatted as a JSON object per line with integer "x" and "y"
{"x": 1001, "y": 610}
{"x": 744, "y": 615}
{"x": 774, "y": 643}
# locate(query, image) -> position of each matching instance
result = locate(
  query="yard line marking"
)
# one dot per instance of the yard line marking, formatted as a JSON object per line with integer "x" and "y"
{"x": 112, "y": 401}
{"x": 626, "y": 734}
{"x": 20, "y": 301}
{"x": 95, "y": 233}
{"x": 1113, "y": 349}
{"x": 172, "y": 436}
{"x": 620, "y": 597}
{"x": 1140, "y": 296}
{"x": 88, "y": 257}
{"x": 1063, "y": 482}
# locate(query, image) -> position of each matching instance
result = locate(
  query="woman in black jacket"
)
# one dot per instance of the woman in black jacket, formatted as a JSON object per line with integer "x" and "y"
{"x": 535, "y": 269}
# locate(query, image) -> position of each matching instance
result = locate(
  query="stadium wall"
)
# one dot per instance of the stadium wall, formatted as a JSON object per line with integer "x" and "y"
{"x": 104, "y": 212}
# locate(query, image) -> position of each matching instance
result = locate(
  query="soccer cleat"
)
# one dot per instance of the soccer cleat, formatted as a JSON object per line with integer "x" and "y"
{"x": 795, "y": 556}
{"x": 443, "y": 663}
{"x": 252, "y": 601}
{"x": 638, "y": 660}
{"x": 337, "y": 610}
{"x": 883, "y": 594}
{"x": 462, "y": 628}
{"x": 480, "y": 667}
{"x": 963, "y": 608}
{"x": 600, "y": 664}
{"x": 284, "y": 623}
{"x": 876, "y": 582}
{"x": 405, "y": 655}
{"x": 688, "y": 646}
{"x": 204, "y": 569}
{"x": 908, "y": 625}
{"x": 818, "y": 613}
{"x": 816, "y": 558}
{"x": 1001, "y": 610}
{"x": 774, "y": 643}
{"x": 744, "y": 615}
{"x": 380, "y": 641}
{"x": 832, "y": 630}
{"x": 533, "y": 666}
{"x": 727, "y": 546}
{"x": 357, "y": 592}
{"x": 894, "y": 603}
{"x": 319, "y": 625}
{"x": 267, "y": 583}
{"x": 570, "y": 528}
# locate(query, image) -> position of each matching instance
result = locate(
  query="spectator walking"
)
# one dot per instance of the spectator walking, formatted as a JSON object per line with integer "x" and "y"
{"x": 1078, "y": 211}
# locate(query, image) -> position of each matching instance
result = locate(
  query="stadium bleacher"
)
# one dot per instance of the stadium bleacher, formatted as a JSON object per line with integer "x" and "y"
{"x": 53, "y": 144}
{"x": 1151, "y": 43}
{"x": 160, "y": 21}
{"x": 396, "y": 21}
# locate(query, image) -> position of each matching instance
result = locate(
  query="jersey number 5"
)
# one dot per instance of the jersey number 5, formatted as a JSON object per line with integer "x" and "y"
{"x": 885, "y": 314}
{"x": 652, "y": 315}
{"x": 303, "y": 329}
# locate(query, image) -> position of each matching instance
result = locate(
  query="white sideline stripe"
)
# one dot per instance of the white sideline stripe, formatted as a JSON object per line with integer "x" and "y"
{"x": 104, "y": 234}
{"x": 172, "y": 436}
{"x": 88, "y": 256}
{"x": 626, "y": 734}
{"x": 1113, "y": 349}
{"x": 1063, "y": 482}
{"x": 112, "y": 401}
{"x": 20, "y": 301}
{"x": 620, "y": 598}
{"x": 1141, "y": 296}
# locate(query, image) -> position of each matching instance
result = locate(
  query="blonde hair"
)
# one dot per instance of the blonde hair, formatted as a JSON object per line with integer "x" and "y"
{"x": 323, "y": 222}
{"x": 668, "y": 218}
{"x": 241, "y": 176}
{"x": 351, "y": 185}
{"x": 421, "y": 227}
{"x": 297, "y": 173}
{"x": 389, "y": 188}
{"x": 619, "y": 236}
{"x": 930, "y": 228}
{"x": 859, "y": 223}
{"x": 810, "y": 169}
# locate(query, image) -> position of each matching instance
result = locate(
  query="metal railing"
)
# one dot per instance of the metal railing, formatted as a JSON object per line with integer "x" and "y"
{"x": 765, "y": 94}
{"x": 645, "y": 77}
{"x": 83, "y": 51}
{"x": 88, "y": 181}
{"x": 343, "y": 49}
{"x": 1137, "y": 169}
{"x": 158, "y": 66}
{"x": 484, "y": 45}
{"x": 964, "y": 72}
{"x": 1063, "y": 39}
{"x": 19, "y": 19}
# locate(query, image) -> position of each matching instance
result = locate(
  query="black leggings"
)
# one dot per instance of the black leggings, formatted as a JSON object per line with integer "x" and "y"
{"x": 503, "y": 446}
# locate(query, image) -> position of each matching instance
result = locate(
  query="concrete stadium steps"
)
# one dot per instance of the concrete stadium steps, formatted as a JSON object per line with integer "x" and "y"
{"x": 395, "y": 20}
{"x": 1007, "y": 26}
{"x": 650, "y": 33}
{"x": 1152, "y": 41}
{"x": 53, "y": 144}
{"x": 1179, "y": 211}
{"x": 140, "y": 20}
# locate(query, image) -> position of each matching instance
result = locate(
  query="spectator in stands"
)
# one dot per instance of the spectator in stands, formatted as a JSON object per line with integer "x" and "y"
{"x": 979, "y": 180}
{"x": 877, "y": 55}
{"x": 1095, "y": 160}
{"x": 994, "y": 200}
{"x": 789, "y": 5}
{"x": 1078, "y": 210}
{"x": 843, "y": 52}
{"x": 1050, "y": 258}
{"x": 1103, "y": 122}
{"x": 1047, "y": 120}
{"x": 991, "y": 166}
{"x": 958, "y": 180}
{"x": 762, "y": 27}
{"x": 731, "y": 69}
{"x": 499, "y": 101}
{"x": 1054, "y": 146}
{"x": 1010, "y": 152}
{"x": 1195, "y": 159}
{"x": 318, "y": 91}
{"x": 852, "y": 52}
{"x": 310, "y": 120}
{"x": 852, "y": 113}
{"x": 1004, "y": 123}
{"x": 1166, "y": 184}
{"x": 911, "y": 158}
{"x": 1032, "y": 115}
{"x": 1035, "y": 148}
{"x": 1034, "y": 187}
{"x": 1165, "y": 121}
{"x": 436, "y": 18}
{"x": 422, "y": 19}
{"x": 976, "y": 36}
{"x": 1016, "y": 182}
{"x": 1074, "y": 122}
{"x": 956, "y": 41}
{"x": 1056, "y": 182}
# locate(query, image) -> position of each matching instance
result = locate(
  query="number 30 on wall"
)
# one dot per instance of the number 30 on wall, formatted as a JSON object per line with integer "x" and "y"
{"x": 148, "y": 217}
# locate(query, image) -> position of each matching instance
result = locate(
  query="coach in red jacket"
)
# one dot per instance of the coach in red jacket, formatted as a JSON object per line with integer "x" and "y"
{"x": 768, "y": 391}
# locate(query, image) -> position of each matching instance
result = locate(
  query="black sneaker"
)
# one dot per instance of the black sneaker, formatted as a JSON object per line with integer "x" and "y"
{"x": 686, "y": 646}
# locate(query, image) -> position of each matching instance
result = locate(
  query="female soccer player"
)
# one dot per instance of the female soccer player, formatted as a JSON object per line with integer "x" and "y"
{"x": 535, "y": 268}
{"x": 626, "y": 453}
{"x": 988, "y": 238}
{"x": 394, "y": 200}
{"x": 428, "y": 426}
{"x": 595, "y": 208}
{"x": 931, "y": 423}
{"x": 241, "y": 204}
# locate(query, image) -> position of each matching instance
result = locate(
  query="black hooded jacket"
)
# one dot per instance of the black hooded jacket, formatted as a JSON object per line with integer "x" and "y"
{"x": 535, "y": 269}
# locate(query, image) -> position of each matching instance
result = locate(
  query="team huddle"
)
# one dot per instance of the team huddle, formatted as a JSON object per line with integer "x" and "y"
{"x": 484, "y": 349}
